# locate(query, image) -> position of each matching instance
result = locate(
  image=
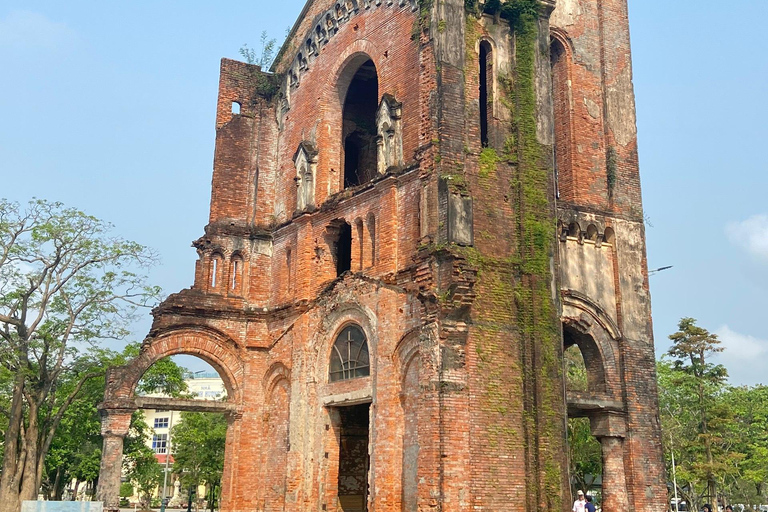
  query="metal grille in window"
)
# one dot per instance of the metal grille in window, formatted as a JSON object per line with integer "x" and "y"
{"x": 349, "y": 358}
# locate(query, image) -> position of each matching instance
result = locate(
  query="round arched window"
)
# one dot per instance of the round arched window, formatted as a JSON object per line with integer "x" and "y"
{"x": 349, "y": 358}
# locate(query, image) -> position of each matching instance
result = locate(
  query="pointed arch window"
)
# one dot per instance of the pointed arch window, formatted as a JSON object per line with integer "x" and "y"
{"x": 349, "y": 356}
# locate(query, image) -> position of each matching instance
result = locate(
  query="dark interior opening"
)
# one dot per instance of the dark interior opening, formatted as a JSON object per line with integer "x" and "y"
{"x": 344, "y": 249}
{"x": 359, "y": 126}
{"x": 353, "y": 458}
{"x": 484, "y": 61}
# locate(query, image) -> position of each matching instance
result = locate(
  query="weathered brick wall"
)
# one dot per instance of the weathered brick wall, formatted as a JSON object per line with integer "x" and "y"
{"x": 454, "y": 259}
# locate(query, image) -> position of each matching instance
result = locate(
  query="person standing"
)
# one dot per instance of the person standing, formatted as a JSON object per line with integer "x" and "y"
{"x": 589, "y": 506}
{"x": 580, "y": 503}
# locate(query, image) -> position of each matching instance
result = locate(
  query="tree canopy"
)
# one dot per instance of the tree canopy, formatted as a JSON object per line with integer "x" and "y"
{"x": 66, "y": 284}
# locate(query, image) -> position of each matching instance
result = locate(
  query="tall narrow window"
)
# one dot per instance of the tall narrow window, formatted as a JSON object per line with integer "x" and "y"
{"x": 486, "y": 74}
{"x": 360, "y": 243}
{"x": 288, "y": 269}
{"x": 215, "y": 269}
{"x": 561, "y": 101}
{"x": 344, "y": 249}
{"x": 349, "y": 357}
{"x": 359, "y": 126}
{"x": 372, "y": 234}
{"x": 236, "y": 271}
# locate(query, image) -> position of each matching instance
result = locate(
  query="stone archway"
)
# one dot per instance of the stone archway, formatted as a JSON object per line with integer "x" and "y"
{"x": 586, "y": 325}
{"x": 120, "y": 401}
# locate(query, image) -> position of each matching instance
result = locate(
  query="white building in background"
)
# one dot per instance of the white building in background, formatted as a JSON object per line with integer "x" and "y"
{"x": 203, "y": 386}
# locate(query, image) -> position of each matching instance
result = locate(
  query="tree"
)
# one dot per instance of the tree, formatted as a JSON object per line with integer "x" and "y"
{"x": 267, "y": 55}
{"x": 198, "y": 442}
{"x": 701, "y": 383}
{"x": 139, "y": 460}
{"x": 65, "y": 284}
{"x": 76, "y": 447}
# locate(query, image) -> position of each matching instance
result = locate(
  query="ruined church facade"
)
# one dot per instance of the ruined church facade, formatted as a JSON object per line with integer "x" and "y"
{"x": 413, "y": 215}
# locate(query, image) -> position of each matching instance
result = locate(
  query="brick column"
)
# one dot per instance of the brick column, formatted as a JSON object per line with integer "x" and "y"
{"x": 614, "y": 480}
{"x": 114, "y": 427}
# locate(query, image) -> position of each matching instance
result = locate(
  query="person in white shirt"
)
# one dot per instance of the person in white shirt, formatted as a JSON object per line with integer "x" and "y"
{"x": 579, "y": 504}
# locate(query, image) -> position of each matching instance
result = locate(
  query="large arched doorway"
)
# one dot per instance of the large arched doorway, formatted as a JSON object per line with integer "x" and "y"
{"x": 121, "y": 401}
{"x": 596, "y": 409}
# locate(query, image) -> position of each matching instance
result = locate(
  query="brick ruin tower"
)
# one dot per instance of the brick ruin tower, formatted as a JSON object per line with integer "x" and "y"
{"x": 413, "y": 215}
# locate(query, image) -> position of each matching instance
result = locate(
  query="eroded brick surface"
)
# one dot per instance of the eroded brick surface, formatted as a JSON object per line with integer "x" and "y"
{"x": 465, "y": 396}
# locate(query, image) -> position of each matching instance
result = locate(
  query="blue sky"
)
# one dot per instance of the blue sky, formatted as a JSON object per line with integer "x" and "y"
{"x": 109, "y": 107}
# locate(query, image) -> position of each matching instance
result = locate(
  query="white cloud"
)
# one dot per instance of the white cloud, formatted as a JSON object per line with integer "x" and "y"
{"x": 745, "y": 357}
{"x": 751, "y": 234}
{"x": 25, "y": 29}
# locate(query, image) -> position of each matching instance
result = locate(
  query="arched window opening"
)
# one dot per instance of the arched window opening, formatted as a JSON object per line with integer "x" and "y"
{"x": 584, "y": 362}
{"x": 574, "y": 230}
{"x": 215, "y": 271}
{"x": 236, "y": 271}
{"x": 360, "y": 242}
{"x": 609, "y": 236}
{"x": 561, "y": 97}
{"x": 486, "y": 75}
{"x": 349, "y": 357}
{"x": 236, "y": 107}
{"x": 592, "y": 233}
{"x": 372, "y": 234}
{"x": 359, "y": 126}
{"x": 344, "y": 249}
{"x": 288, "y": 269}
{"x": 575, "y": 370}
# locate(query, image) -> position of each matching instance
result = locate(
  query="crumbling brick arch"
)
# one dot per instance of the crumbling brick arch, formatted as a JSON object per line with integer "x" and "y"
{"x": 213, "y": 347}
{"x": 586, "y": 325}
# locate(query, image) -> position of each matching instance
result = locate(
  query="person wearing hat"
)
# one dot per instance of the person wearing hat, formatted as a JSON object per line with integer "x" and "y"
{"x": 580, "y": 503}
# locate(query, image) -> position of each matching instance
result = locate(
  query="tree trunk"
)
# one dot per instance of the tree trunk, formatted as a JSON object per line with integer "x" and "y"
{"x": 29, "y": 481}
{"x": 9, "y": 482}
{"x": 57, "y": 485}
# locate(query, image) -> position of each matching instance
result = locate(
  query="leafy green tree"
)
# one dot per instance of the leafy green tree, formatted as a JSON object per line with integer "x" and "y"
{"x": 76, "y": 448}
{"x": 692, "y": 346}
{"x": 139, "y": 460}
{"x": 198, "y": 450}
{"x": 585, "y": 454}
{"x": 66, "y": 284}
{"x": 749, "y": 438}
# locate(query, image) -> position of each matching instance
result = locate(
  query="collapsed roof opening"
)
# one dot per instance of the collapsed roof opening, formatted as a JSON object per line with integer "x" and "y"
{"x": 359, "y": 126}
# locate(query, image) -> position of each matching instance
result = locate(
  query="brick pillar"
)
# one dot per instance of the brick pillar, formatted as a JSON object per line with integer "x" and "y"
{"x": 614, "y": 480}
{"x": 114, "y": 427}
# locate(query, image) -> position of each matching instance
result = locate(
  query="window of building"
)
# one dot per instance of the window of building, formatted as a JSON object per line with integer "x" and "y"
{"x": 359, "y": 126}
{"x": 344, "y": 249}
{"x": 161, "y": 422}
{"x": 160, "y": 443}
{"x": 486, "y": 75}
{"x": 349, "y": 357}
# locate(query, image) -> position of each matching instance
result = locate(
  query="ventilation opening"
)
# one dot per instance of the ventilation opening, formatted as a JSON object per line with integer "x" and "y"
{"x": 359, "y": 126}
{"x": 235, "y": 108}
{"x": 344, "y": 249}
{"x": 485, "y": 73}
{"x": 354, "y": 462}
